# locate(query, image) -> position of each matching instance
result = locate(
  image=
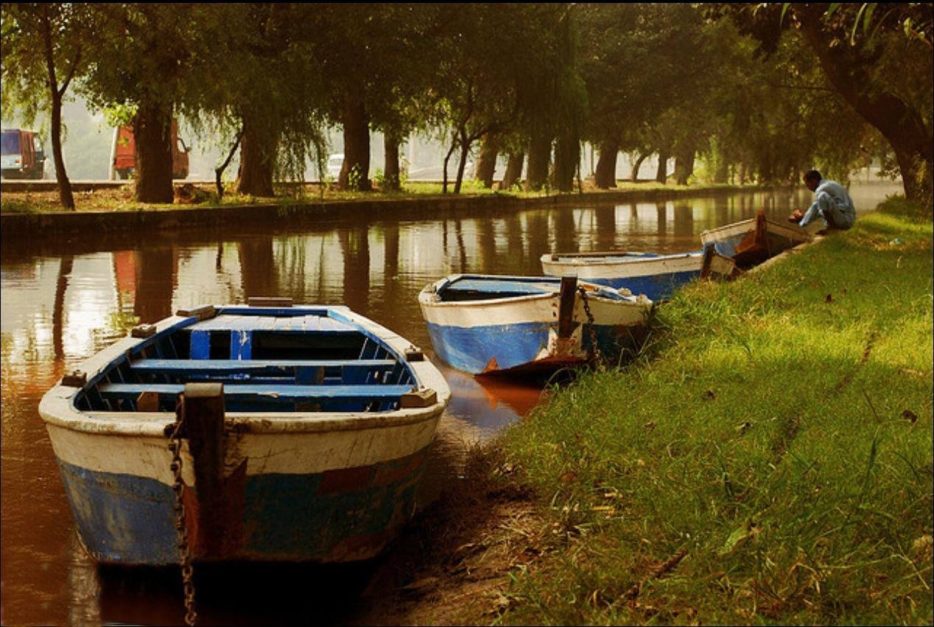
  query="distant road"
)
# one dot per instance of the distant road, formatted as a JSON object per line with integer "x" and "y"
{"x": 51, "y": 185}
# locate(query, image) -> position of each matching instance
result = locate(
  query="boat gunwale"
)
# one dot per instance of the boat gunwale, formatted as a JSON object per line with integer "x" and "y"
{"x": 733, "y": 229}
{"x": 57, "y": 405}
{"x": 429, "y": 294}
{"x": 584, "y": 262}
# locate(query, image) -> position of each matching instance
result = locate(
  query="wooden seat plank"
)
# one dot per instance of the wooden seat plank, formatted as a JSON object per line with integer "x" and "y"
{"x": 290, "y": 392}
{"x": 235, "y": 365}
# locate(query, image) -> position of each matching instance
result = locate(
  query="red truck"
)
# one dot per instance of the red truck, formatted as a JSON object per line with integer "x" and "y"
{"x": 21, "y": 154}
{"x": 123, "y": 154}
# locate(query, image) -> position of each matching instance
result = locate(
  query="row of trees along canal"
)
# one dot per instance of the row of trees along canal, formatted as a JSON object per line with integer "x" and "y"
{"x": 757, "y": 92}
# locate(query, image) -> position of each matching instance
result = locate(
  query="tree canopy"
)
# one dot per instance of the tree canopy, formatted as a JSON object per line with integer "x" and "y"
{"x": 756, "y": 92}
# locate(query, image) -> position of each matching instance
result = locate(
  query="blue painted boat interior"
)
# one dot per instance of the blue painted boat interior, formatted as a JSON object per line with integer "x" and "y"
{"x": 275, "y": 360}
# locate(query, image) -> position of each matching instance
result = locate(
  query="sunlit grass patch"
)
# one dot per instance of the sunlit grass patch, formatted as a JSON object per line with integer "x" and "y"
{"x": 768, "y": 461}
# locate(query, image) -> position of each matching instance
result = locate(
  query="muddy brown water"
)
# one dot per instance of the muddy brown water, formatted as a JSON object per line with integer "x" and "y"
{"x": 59, "y": 309}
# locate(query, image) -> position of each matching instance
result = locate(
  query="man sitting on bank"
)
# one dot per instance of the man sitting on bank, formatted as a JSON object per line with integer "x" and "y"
{"x": 831, "y": 203}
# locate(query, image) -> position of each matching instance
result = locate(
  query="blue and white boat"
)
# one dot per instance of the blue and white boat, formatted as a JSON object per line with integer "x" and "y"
{"x": 752, "y": 241}
{"x": 304, "y": 431}
{"x": 485, "y": 324}
{"x": 657, "y": 276}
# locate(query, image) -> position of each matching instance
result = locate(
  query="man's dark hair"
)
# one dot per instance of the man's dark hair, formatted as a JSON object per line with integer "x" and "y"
{"x": 813, "y": 175}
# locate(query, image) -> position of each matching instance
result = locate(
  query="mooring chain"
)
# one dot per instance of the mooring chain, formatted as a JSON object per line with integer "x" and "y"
{"x": 595, "y": 349}
{"x": 175, "y": 445}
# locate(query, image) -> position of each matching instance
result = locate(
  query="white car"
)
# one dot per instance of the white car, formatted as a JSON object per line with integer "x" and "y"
{"x": 335, "y": 163}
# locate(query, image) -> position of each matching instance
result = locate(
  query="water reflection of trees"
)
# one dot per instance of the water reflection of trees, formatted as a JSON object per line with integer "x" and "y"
{"x": 258, "y": 272}
{"x": 565, "y": 230}
{"x": 155, "y": 283}
{"x": 58, "y": 308}
{"x": 355, "y": 246}
{"x": 606, "y": 227}
{"x": 683, "y": 218}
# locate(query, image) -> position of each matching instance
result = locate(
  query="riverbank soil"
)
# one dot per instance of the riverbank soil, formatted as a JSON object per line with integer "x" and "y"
{"x": 768, "y": 459}
{"x": 451, "y": 563}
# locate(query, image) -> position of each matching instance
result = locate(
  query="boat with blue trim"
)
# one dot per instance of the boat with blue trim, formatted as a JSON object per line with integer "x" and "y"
{"x": 486, "y": 324}
{"x": 301, "y": 432}
{"x": 655, "y": 275}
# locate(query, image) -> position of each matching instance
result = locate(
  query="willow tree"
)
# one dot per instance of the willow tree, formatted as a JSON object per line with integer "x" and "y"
{"x": 507, "y": 71}
{"x": 261, "y": 87}
{"x": 648, "y": 74}
{"x": 140, "y": 60}
{"x": 877, "y": 58}
{"x": 372, "y": 58}
{"x": 43, "y": 51}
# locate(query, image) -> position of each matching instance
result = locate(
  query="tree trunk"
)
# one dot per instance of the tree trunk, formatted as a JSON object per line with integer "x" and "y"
{"x": 684, "y": 165}
{"x": 567, "y": 157}
{"x": 486, "y": 163}
{"x": 355, "y": 173}
{"x": 465, "y": 143}
{"x": 638, "y": 164}
{"x": 64, "y": 185}
{"x": 721, "y": 170}
{"x": 257, "y": 161}
{"x": 391, "y": 173}
{"x": 219, "y": 171}
{"x": 444, "y": 171}
{"x": 513, "y": 170}
{"x": 152, "y": 129}
{"x": 661, "y": 175}
{"x": 539, "y": 159}
{"x": 605, "y": 174}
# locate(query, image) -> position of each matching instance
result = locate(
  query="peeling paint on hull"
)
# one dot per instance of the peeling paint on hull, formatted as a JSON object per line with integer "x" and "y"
{"x": 333, "y": 516}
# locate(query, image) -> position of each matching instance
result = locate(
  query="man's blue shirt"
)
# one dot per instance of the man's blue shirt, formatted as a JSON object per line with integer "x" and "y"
{"x": 831, "y": 198}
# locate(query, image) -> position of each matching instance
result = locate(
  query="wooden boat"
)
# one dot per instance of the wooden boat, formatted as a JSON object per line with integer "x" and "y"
{"x": 304, "y": 431}
{"x": 485, "y": 324}
{"x": 750, "y": 242}
{"x": 656, "y": 276}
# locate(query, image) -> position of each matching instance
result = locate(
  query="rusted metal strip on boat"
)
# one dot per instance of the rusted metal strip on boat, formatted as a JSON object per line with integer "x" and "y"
{"x": 204, "y": 312}
{"x": 75, "y": 379}
{"x": 707, "y": 260}
{"x": 143, "y": 330}
{"x": 202, "y": 408}
{"x": 147, "y": 401}
{"x": 757, "y": 239}
{"x": 269, "y": 301}
{"x": 566, "y": 306}
{"x": 414, "y": 353}
{"x": 418, "y": 398}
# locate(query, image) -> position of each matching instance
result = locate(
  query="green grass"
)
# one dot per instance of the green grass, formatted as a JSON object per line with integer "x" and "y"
{"x": 121, "y": 198}
{"x": 776, "y": 436}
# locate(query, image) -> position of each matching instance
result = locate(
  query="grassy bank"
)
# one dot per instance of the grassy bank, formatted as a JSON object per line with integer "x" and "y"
{"x": 122, "y": 198}
{"x": 769, "y": 460}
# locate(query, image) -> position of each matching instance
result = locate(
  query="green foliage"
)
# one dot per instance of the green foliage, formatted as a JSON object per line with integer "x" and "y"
{"x": 120, "y": 114}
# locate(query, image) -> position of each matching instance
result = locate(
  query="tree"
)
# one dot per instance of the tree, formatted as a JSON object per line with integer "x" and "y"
{"x": 881, "y": 65}
{"x": 140, "y": 59}
{"x": 375, "y": 59}
{"x": 262, "y": 88}
{"x": 43, "y": 51}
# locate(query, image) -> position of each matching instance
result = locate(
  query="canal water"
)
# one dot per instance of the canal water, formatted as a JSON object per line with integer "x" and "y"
{"x": 59, "y": 308}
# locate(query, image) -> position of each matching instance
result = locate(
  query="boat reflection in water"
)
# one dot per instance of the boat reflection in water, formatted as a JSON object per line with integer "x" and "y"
{"x": 490, "y": 403}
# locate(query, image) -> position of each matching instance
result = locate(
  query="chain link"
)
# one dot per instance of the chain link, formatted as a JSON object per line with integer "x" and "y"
{"x": 594, "y": 348}
{"x": 175, "y": 445}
